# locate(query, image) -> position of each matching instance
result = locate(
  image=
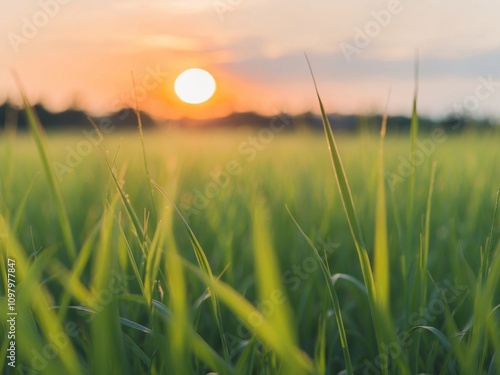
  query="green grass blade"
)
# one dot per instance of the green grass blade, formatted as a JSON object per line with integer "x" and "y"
{"x": 268, "y": 278}
{"x": 257, "y": 323}
{"x": 381, "y": 266}
{"x": 246, "y": 362}
{"x": 132, "y": 260}
{"x": 37, "y": 132}
{"x": 486, "y": 257}
{"x": 423, "y": 258}
{"x": 141, "y": 235}
{"x": 204, "y": 265}
{"x": 384, "y": 330}
{"x": 345, "y": 192}
{"x": 180, "y": 315}
{"x": 426, "y": 239}
{"x": 199, "y": 346}
{"x": 20, "y": 209}
{"x": 108, "y": 350}
{"x": 137, "y": 350}
{"x": 333, "y": 297}
{"x": 146, "y": 168}
{"x": 153, "y": 258}
{"x": 320, "y": 348}
{"x": 409, "y": 253}
{"x": 414, "y": 138}
{"x": 33, "y": 297}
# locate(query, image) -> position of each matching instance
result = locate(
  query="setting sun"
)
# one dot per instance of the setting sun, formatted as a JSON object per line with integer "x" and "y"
{"x": 195, "y": 86}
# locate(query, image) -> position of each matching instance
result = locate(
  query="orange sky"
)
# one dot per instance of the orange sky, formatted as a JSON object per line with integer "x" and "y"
{"x": 82, "y": 52}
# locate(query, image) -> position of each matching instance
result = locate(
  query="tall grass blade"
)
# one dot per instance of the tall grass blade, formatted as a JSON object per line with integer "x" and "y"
{"x": 384, "y": 330}
{"x": 330, "y": 282}
{"x": 37, "y": 131}
{"x": 268, "y": 278}
{"x": 146, "y": 168}
{"x": 414, "y": 138}
{"x": 408, "y": 255}
{"x": 424, "y": 256}
{"x": 381, "y": 251}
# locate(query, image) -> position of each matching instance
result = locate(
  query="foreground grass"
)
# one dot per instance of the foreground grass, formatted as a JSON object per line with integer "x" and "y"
{"x": 236, "y": 287}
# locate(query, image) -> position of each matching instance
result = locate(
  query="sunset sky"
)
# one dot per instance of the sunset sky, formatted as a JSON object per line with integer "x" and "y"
{"x": 81, "y": 53}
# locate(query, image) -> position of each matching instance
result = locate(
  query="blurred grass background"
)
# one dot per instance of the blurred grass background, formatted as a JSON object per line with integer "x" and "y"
{"x": 292, "y": 170}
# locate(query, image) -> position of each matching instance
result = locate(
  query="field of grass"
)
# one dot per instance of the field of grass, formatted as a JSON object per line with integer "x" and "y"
{"x": 266, "y": 275}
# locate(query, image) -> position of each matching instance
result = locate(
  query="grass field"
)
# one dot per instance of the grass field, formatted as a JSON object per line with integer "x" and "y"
{"x": 113, "y": 281}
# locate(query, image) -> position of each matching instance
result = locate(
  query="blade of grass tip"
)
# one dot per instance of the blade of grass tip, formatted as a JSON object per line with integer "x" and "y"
{"x": 204, "y": 265}
{"x": 333, "y": 297}
{"x": 345, "y": 191}
{"x": 408, "y": 256}
{"x": 37, "y": 132}
{"x": 413, "y": 136}
{"x": 384, "y": 329}
{"x": 346, "y": 197}
{"x": 381, "y": 250}
{"x": 139, "y": 124}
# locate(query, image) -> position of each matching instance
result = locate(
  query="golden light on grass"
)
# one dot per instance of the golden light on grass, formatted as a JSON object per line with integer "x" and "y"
{"x": 195, "y": 86}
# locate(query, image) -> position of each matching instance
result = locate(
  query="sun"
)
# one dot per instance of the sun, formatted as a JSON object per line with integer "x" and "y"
{"x": 195, "y": 86}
